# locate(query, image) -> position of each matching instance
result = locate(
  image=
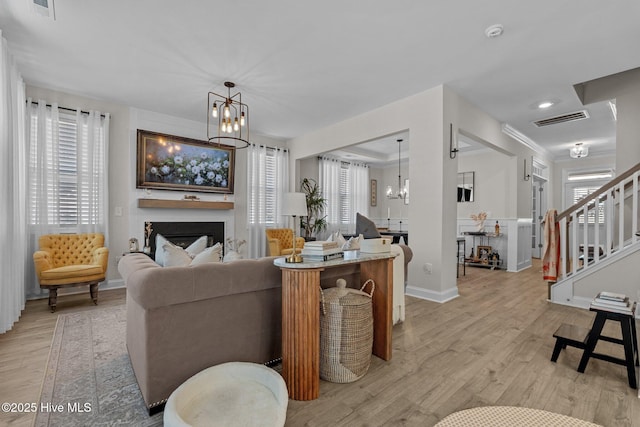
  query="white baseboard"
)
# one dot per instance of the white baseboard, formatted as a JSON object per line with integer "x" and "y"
{"x": 113, "y": 284}
{"x": 584, "y": 303}
{"x": 430, "y": 295}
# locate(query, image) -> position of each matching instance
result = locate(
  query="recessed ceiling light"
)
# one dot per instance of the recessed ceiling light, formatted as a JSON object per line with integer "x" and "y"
{"x": 494, "y": 31}
{"x": 545, "y": 104}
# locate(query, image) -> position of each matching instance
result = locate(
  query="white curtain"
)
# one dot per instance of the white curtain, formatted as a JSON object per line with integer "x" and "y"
{"x": 345, "y": 186}
{"x": 358, "y": 193}
{"x": 267, "y": 181}
{"x": 67, "y": 176}
{"x": 93, "y": 167}
{"x": 330, "y": 186}
{"x": 13, "y": 252}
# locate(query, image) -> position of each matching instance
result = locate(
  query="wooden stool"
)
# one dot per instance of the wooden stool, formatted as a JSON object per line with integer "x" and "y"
{"x": 569, "y": 335}
{"x": 629, "y": 341}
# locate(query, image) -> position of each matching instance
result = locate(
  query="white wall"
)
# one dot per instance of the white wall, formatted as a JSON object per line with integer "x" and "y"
{"x": 393, "y": 209}
{"x": 628, "y": 130}
{"x": 492, "y": 184}
{"x": 422, "y": 115}
{"x": 618, "y": 277}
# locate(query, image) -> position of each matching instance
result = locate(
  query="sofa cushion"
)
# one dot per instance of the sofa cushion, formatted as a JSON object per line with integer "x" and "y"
{"x": 71, "y": 274}
{"x": 366, "y": 227}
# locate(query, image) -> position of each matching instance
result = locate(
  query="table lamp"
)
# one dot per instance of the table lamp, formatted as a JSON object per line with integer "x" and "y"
{"x": 294, "y": 204}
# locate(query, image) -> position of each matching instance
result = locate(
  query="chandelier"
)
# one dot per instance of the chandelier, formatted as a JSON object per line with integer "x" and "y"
{"x": 228, "y": 118}
{"x": 401, "y": 192}
{"x": 578, "y": 151}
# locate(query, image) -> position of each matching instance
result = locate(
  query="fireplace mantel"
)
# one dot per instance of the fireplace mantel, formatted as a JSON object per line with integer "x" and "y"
{"x": 183, "y": 204}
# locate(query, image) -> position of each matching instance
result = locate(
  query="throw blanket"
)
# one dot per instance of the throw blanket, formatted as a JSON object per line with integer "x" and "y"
{"x": 551, "y": 251}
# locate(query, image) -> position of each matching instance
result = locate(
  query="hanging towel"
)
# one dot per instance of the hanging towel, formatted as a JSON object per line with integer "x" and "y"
{"x": 551, "y": 251}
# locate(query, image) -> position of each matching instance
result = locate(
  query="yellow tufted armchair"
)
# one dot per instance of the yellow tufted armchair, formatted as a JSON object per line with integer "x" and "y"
{"x": 71, "y": 260}
{"x": 281, "y": 241}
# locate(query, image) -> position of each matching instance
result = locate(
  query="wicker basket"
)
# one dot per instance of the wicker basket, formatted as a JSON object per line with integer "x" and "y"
{"x": 346, "y": 332}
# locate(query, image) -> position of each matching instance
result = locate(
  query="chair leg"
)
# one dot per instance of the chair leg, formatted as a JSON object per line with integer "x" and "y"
{"x": 93, "y": 289}
{"x": 53, "y": 299}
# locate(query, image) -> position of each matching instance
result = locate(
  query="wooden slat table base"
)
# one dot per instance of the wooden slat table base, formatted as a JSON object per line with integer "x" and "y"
{"x": 381, "y": 271}
{"x": 301, "y": 332}
{"x": 301, "y": 320}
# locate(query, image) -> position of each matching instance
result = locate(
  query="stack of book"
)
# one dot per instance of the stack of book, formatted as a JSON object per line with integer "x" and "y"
{"x": 610, "y": 301}
{"x": 321, "y": 251}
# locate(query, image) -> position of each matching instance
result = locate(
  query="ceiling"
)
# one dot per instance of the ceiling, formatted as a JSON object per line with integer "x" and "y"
{"x": 304, "y": 65}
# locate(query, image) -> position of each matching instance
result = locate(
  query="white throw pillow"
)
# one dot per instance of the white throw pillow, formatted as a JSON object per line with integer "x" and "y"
{"x": 174, "y": 256}
{"x": 337, "y": 237}
{"x": 193, "y": 249}
{"x": 198, "y": 246}
{"x": 353, "y": 243}
{"x": 210, "y": 254}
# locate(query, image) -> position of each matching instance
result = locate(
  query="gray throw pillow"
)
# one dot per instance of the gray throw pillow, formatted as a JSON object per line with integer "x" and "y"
{"x": 366, "y": 227}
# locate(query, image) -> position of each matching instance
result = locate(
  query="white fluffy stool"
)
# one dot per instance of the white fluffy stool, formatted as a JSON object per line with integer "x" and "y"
{"x": 230, "y": 394}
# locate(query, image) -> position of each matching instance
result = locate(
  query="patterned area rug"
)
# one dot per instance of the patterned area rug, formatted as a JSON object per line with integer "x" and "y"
{"x": 89, "y": 379}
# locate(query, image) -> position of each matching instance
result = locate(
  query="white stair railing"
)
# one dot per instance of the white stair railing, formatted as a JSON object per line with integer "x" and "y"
{"x": 599, "y": 225}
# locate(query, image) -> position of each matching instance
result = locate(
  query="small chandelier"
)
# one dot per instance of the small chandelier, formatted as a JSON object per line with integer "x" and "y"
{"x": 578, "y": 151}
{"x": 401, "y": 192}
{"x": 232, "y": 117}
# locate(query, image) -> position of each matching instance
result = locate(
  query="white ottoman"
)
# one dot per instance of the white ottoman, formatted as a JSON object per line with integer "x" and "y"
{"x": 230, "y": 394}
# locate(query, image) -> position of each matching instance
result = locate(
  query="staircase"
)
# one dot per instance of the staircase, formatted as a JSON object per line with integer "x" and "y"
{"x": 599, "y": 243}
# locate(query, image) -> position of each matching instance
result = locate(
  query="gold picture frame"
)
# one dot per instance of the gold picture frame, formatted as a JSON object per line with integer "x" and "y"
{"x": 374, "y": 192}
{"x": 168, "y": 162}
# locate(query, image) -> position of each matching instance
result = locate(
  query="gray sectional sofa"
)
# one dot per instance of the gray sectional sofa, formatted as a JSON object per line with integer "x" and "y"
{"x": 181, "y": 320}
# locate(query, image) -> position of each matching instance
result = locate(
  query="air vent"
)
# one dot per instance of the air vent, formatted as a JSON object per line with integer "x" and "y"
{"x": 570, "y": 117}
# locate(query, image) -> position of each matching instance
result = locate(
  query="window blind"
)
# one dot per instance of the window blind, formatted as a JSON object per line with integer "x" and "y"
{"x": 68, "y": 177}
{"x": 580, "y": 193}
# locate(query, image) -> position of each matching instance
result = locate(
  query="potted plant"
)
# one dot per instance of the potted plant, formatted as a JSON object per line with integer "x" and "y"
{"x": 313, "y": 223}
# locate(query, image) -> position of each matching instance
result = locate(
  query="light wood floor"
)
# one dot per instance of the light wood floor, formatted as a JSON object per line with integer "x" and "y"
{"x": 490, "y": 346}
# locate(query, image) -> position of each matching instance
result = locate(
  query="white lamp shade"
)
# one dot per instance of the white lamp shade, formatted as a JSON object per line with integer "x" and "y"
{"x": 294, "y": 204}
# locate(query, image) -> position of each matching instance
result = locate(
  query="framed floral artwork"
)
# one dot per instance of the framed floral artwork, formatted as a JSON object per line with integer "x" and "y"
{"x": 168, "y": 162}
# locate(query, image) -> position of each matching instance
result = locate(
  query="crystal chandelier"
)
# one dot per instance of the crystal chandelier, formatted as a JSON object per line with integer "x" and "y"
{"x": 228, "y": 118}
{"x": 401, "y": 192}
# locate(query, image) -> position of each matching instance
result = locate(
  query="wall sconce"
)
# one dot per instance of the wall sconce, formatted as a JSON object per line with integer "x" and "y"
{"x": 453, "y": 150}
{"x": 526, "y": 175}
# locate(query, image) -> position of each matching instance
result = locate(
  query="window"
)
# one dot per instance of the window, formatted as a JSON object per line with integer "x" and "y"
{"x": 345, "y": 186}
{"x": 580, "y": 193}
{"x": 267, "y": 179}
{"x": 344, "y": 190}
{"x": 67, "y": 176}
{"x": 264, "y": 212}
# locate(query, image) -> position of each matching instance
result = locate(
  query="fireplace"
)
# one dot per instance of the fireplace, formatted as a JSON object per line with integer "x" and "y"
{"x": 184, "y": 233}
